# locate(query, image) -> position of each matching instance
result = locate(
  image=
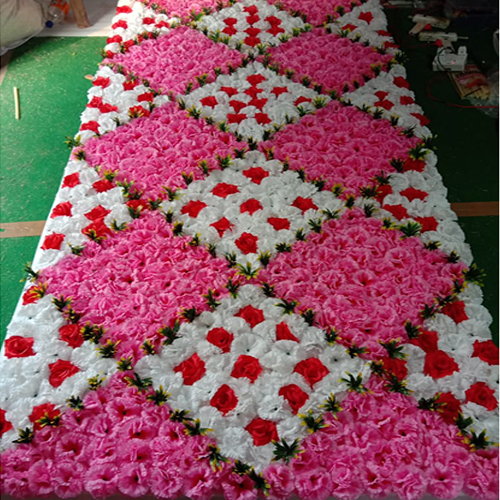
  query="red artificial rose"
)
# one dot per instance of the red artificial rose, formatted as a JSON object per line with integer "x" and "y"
{"x": 449, "y": 407}
{"x": 396, "y": 367}
{"x": 237, "y": 105}
{"x": 302, "y": 99}
{"x": 247, "y": 367}
{"x": 262, "y": 118}
{"x": 138, "y": 112}
{"x": 253, "y": 92}
{"x": 258, "y": 103}
{"x": 295, "y": 396}
{"x": 137, "y": 205}
{"x": 53, "y": 241}
{"x": 230, "y": 91}
{"x": 278, "y": 223}
{"x": 275, "y": 30}
{"x": 388, "y": 105}
{"x": 114, "y": 39}
{"x": 209, "y": 101}
{"x": 92, "y": 126}
{"x": 19, "y": 347}
{"x": 414, "y": 165}
{"x": 247, "y": 243}
{"x": 382, "y": 191}
{"x": 130, "y": 85}
{"x": 427, "y": 341}
{"x": 96, "y": 213}
{"x": 224, "y": 399}
{"x": 482, "y": 395}
{"x": 250, "y": 206}
{"x": 236, "y": 118}
{"x": 221, "y": 338}
{"x": 60, "y": 371}
{"x": 223, "y": 190}
{"x": 125, "y": 9}
{"x": 222, "y": 225}
{"x": 398, "y": 211}
{"x": 47, "y": 411}
{"x": 273, "y": 20}
{"x": 438, "y": 364}
{"x": 256, "y": 174}
{"x": 406, "y": 99}
{"x": 193, "y": 208}
{"x": 414, "y": 194}
{"x": 61, "y": 210}
{"x": 421, "y": 118}
{"x": 31, "y": 295}
{"x": 283, "y": 333}
{"x": 486, "y": 351}
{"x": 262, "y": 431}
{"x": 349, "y": 27}
{"x": 102, "y": 81}
{"x": 304, "y": 204}
{"x": 427, "y": 223}
{"x": 148, "y": 20}
{"x": 255, "y": 79}
{"x": 400, "y": 82}
{"x": 381, "y": 94}
{"x": 103, "y": 185}
{"x": 230, "y": 21}
{"x": 252, "y": 9}
{"x": 120, "y": 24}
{"x": 96, "y": 230}
{"x": 162, "y": 24}
{"x": 71, "y": 335}
{"x": 5, "y": 425}
{"x": 251, "y": 315}
{"x": 277, "y": 91}
{"x": 366, "y": 16}
{"x": 456, "y": 311}
{"x": 192, "y": 369}
{"x": 252, "y": 20}
{"x": 146, "y": 97}
{"x": 312, "y": 369}
{"x": 230, "y": 30}
{"x": 71, "y": 180}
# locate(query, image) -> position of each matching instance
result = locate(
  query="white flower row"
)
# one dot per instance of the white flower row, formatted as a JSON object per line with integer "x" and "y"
{"x": 278, "y": 108}
{"x": 260, "y": 398}
{"x": 24, "y": 383}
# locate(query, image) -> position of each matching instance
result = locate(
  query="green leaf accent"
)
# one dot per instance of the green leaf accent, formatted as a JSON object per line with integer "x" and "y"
{"x": 475, "y": 275}
{"x": 331, "y": 405}
{"x": 148, "y": 348}
{"x": 95, "y": 382}
{"x": 313, "y": 423}
{"x": 395, "y": 385}
{"x": 284, "y": 451}
{"x": 190, "y": 314}
{"x": 268, "y": 290}
{"x": 141, "y": 384}
{"x": 355, "y": 384}
{"x": 159, "y": 397}
{"x": 288, "y": 307}
{"x": 180, "y": 416}
{"x": 212, "y": 302}
{"x": 394, "y": 349}
{"x": 75, "y": 402}
{"x": 124, "y": 364}
{"x": 25, "y": 436}
{"x": 61, "y": 303}
{"x": 108, "y": 350}
{"x": 195, "y": 428}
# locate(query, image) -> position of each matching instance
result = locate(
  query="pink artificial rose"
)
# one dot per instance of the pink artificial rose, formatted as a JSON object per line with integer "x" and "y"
{"x": 314, "y": 484}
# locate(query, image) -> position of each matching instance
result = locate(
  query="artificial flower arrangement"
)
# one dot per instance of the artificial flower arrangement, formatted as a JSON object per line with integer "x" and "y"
{"x": 251, "y": 282}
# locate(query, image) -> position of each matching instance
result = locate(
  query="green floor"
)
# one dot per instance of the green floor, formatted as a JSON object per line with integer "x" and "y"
{"x": 49, "y": 73}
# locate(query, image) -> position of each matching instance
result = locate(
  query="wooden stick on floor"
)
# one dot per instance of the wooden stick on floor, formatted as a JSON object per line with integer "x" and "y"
{"x": 80, "y": 13}
{"x": 17, "y": 103}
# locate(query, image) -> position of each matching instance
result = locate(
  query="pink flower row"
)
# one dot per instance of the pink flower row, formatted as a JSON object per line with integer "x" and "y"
{"x": 378, "y": 444}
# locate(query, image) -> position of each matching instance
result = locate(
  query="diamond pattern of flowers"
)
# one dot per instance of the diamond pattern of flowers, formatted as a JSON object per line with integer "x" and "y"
{"x": 252, "y": 209}
{"x": 251, "y": 26}
{"x": 254, "y": 101}
{"x": 248, "y": 371}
